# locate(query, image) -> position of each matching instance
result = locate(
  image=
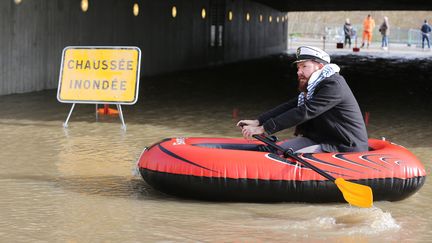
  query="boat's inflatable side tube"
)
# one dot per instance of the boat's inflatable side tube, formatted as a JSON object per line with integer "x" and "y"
{"x": 226, "y": 189}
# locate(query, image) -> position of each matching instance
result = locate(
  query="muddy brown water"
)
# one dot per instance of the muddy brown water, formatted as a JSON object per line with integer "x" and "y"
{"x": 77, "y": 185}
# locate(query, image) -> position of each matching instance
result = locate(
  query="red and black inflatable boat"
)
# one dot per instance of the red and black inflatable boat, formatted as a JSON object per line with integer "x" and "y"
{"x": 230, "y": 169}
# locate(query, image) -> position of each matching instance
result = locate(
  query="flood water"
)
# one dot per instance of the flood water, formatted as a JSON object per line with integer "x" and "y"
{"x": 77, "y": 184}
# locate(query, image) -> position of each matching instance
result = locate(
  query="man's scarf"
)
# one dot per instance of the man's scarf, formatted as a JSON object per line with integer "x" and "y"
{"x": 316, "y": 77}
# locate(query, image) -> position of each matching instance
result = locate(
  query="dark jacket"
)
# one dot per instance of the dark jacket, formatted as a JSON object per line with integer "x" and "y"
{"x": 347, "y": 29}
{"x": 331, "y": 117}
{"x": 425, "y": 29}
{"x": 384, "y": 29}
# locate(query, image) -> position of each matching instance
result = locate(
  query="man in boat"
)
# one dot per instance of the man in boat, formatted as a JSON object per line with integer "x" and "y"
{"x": 326, "y": 114}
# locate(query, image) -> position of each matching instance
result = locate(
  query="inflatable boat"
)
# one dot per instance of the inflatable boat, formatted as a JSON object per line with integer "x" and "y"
{"x": 230, "y": 169}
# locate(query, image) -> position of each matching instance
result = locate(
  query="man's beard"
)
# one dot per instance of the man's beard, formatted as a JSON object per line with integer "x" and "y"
{"x": 302, "y": 85}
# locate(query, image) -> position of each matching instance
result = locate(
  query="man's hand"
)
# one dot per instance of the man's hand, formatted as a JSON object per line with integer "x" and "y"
{"x": 253, "y": 123}
{"x": 249, "y": 131}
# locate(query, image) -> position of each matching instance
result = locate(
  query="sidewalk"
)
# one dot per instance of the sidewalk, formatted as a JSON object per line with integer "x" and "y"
{"x": 395, "y": 50}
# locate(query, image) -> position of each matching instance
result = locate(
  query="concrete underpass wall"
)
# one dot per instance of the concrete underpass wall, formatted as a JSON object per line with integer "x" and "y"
{"x": 256, "y": 37}
{"x": 34, "y": 33}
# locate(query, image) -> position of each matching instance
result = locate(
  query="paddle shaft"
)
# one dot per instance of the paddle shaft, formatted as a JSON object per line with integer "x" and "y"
{"x": 288, "y": 153}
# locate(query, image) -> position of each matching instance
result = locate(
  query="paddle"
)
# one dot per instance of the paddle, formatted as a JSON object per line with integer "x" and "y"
{"x": 355, "y": 194}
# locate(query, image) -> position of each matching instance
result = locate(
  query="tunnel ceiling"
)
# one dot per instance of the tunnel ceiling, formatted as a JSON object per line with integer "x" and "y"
{"x": 347, "y": 5}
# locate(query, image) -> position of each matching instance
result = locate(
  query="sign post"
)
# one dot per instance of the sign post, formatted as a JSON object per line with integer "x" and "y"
{"x": 99, "y": 75}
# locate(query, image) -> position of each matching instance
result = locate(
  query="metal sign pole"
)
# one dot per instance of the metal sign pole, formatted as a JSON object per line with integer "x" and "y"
{"x": 97, "y": 113}
{"x": 121, "y": 116}
{"x": 65, "y": 124}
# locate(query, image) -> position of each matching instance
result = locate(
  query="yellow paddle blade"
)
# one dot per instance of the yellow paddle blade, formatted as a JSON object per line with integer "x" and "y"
{"x": 355, "y": 194}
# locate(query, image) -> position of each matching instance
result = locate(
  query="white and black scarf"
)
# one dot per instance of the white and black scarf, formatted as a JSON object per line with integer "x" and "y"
{"x": 316, "y": 77}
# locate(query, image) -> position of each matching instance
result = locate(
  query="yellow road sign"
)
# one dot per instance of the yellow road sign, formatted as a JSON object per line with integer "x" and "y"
{"x": 104, "y": 75}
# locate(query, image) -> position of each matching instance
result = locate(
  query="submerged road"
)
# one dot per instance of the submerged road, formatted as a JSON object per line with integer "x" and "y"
{"x": 76, "y": 184}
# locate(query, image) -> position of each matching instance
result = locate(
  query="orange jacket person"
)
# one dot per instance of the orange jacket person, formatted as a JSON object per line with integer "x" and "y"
{"x": 368, "y": 27}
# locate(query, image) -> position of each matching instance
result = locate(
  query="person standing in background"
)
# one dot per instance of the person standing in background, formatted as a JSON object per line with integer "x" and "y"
{"x": 425, "y": 29}
{"x": 384, "y": 29}
{"x": 348, "y": 32}
{"x": 368, "y": 27}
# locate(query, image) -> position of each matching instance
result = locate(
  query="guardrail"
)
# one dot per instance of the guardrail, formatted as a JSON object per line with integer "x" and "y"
{"x": 335, "y": 33}
{"x": 414, "y": 38}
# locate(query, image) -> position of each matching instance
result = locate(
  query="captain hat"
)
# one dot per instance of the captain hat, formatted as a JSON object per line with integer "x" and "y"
{"x": 310, "y": 53}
